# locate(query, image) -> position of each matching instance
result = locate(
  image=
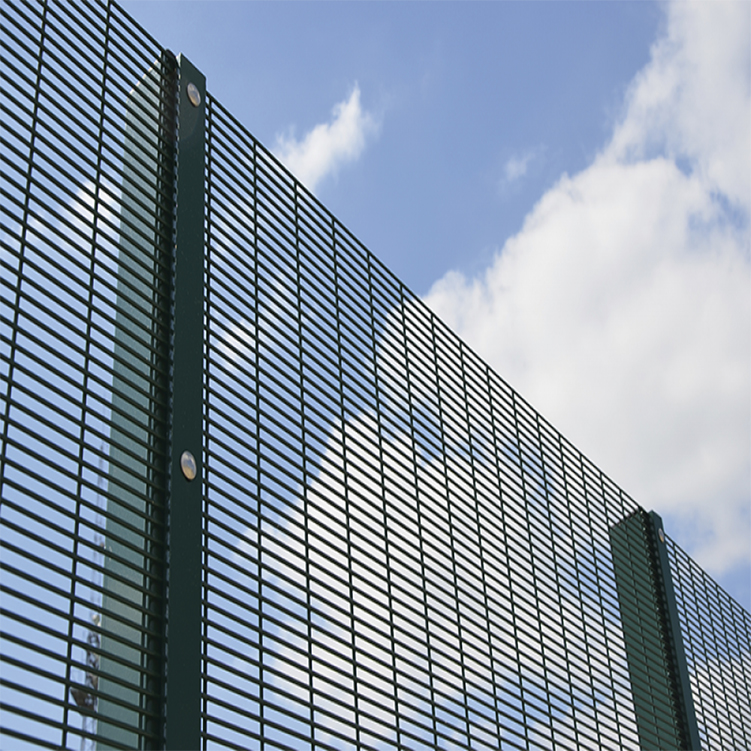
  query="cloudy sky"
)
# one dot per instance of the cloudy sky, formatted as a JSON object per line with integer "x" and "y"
{"x": 568, "y": 185}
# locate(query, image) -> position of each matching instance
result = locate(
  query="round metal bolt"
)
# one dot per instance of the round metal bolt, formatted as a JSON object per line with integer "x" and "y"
{"x": 194, "y": 94}
{"x": 661, "y": 534}
{"x": 188, "y": 465}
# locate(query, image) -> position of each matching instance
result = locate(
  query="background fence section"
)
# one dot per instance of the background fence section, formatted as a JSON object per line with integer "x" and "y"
{"x": 384, "y": 546}
{"x": 717, "y": 639}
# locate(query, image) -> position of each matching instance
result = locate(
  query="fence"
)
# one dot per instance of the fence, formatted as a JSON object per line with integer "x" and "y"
{"x": 255, "y": 495}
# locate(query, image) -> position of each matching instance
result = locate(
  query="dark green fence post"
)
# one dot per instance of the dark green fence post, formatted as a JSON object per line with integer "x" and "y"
{"x": 654, "y": 646}
{"x": 184, "y": 592}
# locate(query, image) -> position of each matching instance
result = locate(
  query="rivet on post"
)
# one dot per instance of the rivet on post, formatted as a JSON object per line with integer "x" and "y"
{"x": 194, "y": 94}
{"x": 188, "y": 465}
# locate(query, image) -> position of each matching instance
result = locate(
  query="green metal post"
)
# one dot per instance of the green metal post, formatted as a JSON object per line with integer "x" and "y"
{"x": 686, "y": 704}
{"x": 654, "y": 647}
{"x": 184, "y": 604}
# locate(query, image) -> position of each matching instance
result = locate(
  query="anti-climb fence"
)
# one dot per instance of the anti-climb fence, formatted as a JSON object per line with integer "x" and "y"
{"x": 256, "y": 495}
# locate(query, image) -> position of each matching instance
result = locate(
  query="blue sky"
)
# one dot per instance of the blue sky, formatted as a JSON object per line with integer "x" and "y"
{"x": 456, "y": 90}
{"x": 567, "y": 184}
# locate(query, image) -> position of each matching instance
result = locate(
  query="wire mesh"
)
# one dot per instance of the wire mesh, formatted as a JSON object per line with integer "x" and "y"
{"x": 86, "y": 213}
{"x": 717, "y": 639}
{"x": 398, "y": 551}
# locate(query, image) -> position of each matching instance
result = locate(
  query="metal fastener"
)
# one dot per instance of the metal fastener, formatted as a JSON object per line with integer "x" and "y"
{"x": 188, "y": 465}
{"x": 194, "y": 94}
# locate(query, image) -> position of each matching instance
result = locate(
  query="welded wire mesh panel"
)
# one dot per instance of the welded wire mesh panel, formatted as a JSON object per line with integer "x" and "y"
{"x": 717, "y": 639}
{"x": 87, "y": 227}
{"x": 399, "y": 551}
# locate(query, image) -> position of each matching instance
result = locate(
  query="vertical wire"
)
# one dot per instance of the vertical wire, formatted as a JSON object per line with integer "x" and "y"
{"x": 379, "y": 413}
{"x": 390, "y": 521}
{"x": 734, "y": 628}
{"x": 525, "y": 495}
{"x": 345, "y": 460}
{"x": 303, "y": 465}
{"x": 592, "y": 535}
{"x": 568, "y": 497}
{"x": 495, "y": 421}
{"x": 481, "y": 557}
{"x": 564, "y": 508}
{"x": 611, "y": 582}
{"x": 712, "y": 594}
{"x": 84, "y": 393}
{"x": 591, "y": 658}
{"x": 259, "y": 489}
{"x": 207, "y": 479}
{"x": 257, "y": 360}
{"x": 25, "y": 221}
{"x": 553, "y": 547}
{"x": 419, "y": 503}
{"x": 531, "y": 449}
{"x": 442, "y": 419}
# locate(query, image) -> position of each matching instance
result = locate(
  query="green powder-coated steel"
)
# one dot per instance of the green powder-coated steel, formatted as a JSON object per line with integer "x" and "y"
{"x": 185, "y": 589}
{"x": 654, "y": 647}
{"x": 375, "y": 543}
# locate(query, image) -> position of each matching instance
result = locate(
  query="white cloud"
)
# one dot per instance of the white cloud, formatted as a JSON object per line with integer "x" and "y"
{"x": 517, "y": 166}
{"x": 328, "y": 146}
{"x": 368, "y": 534}
{"x": 622, "y": 309}
{"x": 437, "y": 631}
{"x": 692, "y": 100}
